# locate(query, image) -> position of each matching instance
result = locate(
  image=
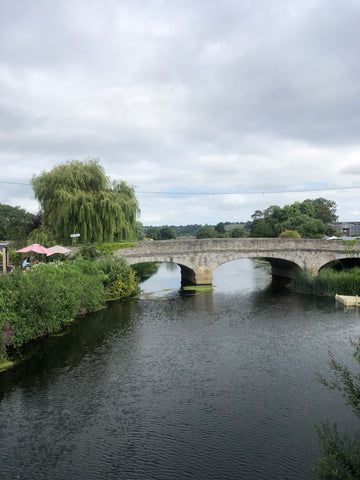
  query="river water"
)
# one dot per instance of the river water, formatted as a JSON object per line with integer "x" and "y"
{"x": 173, "y": 385}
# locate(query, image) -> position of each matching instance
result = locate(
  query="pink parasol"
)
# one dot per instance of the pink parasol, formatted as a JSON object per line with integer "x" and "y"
{"x": 36, "y": 248}
{"x": 58, "y": 249}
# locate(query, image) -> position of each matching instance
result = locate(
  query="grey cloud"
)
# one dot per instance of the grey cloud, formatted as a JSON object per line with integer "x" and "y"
{"x": 180, "y": 95}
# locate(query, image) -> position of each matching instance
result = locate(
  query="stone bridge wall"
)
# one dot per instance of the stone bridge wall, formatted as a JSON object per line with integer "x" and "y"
{"x": 198, "y": 259}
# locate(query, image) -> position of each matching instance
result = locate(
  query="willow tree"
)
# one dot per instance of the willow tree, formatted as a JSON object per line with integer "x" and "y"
{"x": 77, "y": 197}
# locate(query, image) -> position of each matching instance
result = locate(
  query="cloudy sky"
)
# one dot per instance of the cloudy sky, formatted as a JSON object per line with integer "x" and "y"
{"x": 206, "y": 106}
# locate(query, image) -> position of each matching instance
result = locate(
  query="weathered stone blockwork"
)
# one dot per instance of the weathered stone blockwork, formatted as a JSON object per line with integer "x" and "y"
{"x": 198, "y": 259}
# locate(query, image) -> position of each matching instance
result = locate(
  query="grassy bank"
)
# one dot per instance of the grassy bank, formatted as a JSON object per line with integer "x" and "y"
{"x": 47, "y": 297}
{"x": 328, "y": 282}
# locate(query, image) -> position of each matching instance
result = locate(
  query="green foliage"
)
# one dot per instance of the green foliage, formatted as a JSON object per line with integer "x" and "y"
{"x": 160, "y": 233}
{"x": 325, "y": 210}
{"x": 206, "y": 232}
{"x": 89, "y": 252}
{"x": 310, "y": 218}
{"x": 220, "y": 228}
{"x": 350, "y": 244}
{"x": 340, "y": 456}
{"x": 167, "y": 233}
{"x": 328, "y": 282}
{"x": 48, "y": 296}
{"x": 262, "y": 228}
{"x": 289, "y": 234}
{"x": 77, "y": 197}
{"x": 108, "y": 248}
{"x": 185, "y": 230}
{"x": 119, "y": 278}
{"x": 13, "y": 222}
{"x": 238, "y": 232}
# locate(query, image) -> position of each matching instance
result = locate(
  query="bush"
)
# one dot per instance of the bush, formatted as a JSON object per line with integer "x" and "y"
{"x": 47, "y": 297}
{"x": 290, "y": 234}
{"x": 119, "y": 278}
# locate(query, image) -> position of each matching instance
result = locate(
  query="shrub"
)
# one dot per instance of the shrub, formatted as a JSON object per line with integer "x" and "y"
{"x": 119, "y": 278}
{"x": 290, "y": 234}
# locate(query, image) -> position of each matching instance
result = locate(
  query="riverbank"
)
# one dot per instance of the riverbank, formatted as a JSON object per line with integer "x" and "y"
{"x": 47, "y": 297}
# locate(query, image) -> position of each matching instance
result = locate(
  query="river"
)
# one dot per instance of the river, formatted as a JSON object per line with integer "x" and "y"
{"x": 173, "y": 385}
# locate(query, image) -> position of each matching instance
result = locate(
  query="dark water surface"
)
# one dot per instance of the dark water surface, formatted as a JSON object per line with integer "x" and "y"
{"x": 218, "y": 385}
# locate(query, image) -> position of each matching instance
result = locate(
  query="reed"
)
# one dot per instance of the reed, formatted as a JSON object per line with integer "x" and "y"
{"x": 328, "y": 282}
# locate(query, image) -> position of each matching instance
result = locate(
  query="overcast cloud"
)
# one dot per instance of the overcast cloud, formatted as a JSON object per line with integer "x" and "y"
{"x": 229, "y": 96}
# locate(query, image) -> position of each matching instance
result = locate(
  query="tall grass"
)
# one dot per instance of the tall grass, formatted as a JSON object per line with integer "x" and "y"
{"x": 328, "y": 282}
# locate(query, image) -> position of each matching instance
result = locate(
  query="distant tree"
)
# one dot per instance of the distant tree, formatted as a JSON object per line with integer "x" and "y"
{"x": 257, "y": 214}
{"x": 153, "y": 232}
{"x": 160, "y": 233}
{"x": 77, "y": 197}
{"x": 238, "y": 232}
{"x": 312, "y": 228}
{"x": 325, "y": 210}
{"x": 340, "y": 456}
{"x": 262, "y": 228}
{"x": 220, "y": 227}
{"x": 185, "y": 230}
{"x": 206, "y": 232}
{"x": 290, "y": 234}
{"x": 310, "y": 218}
{"x": 34, "y": 222}
{"x": 167, "y": 233}
{"x": 13, "y": 222}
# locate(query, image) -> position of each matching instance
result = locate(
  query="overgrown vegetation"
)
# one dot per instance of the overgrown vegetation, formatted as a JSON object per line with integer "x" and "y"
{"x": 340, "y": 456}
{"x": 47, "y": 297}
{"x": 109, "y": 248}
{"x": 328, "y": 282}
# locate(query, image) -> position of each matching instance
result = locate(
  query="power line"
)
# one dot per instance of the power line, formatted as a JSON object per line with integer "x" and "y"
{"x": 259, "y": 192}
{"x": 14, "y": 183}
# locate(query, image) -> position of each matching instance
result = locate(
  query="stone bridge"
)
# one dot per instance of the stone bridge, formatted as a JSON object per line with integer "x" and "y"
{"x": 198, "y": 259}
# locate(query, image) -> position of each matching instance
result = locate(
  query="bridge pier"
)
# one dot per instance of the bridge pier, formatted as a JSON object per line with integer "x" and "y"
{"x": 197, "y": 276}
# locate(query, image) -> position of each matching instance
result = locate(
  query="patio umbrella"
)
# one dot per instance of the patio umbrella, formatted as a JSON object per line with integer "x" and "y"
{"x": 36, "y": 248}
{"x": 58, "y": 249}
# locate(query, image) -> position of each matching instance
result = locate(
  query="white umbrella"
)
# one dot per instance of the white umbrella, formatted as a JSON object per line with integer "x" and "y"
{"x": 58, "y": 249}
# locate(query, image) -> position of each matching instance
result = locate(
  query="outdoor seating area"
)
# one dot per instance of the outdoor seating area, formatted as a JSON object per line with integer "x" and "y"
{"x": 6, "y": 267}
{"x": 39, "y": 249}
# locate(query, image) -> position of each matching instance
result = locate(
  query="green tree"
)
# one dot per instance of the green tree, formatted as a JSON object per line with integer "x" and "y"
{"x": 206, "y": 231}
{"x": 310, "y": 218}
{"x": 167, "y": 233}
{"x": 238, "y": 232}
{"x": 262, "y": 228}
{"x": 220, "y": 228}
{"x": 77, "y": 197}
{"x": 13, "y": 222}
{"x": 340, "y": 456}
{"x": 325, "y": 210}
{"x": 153, "y": 232}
